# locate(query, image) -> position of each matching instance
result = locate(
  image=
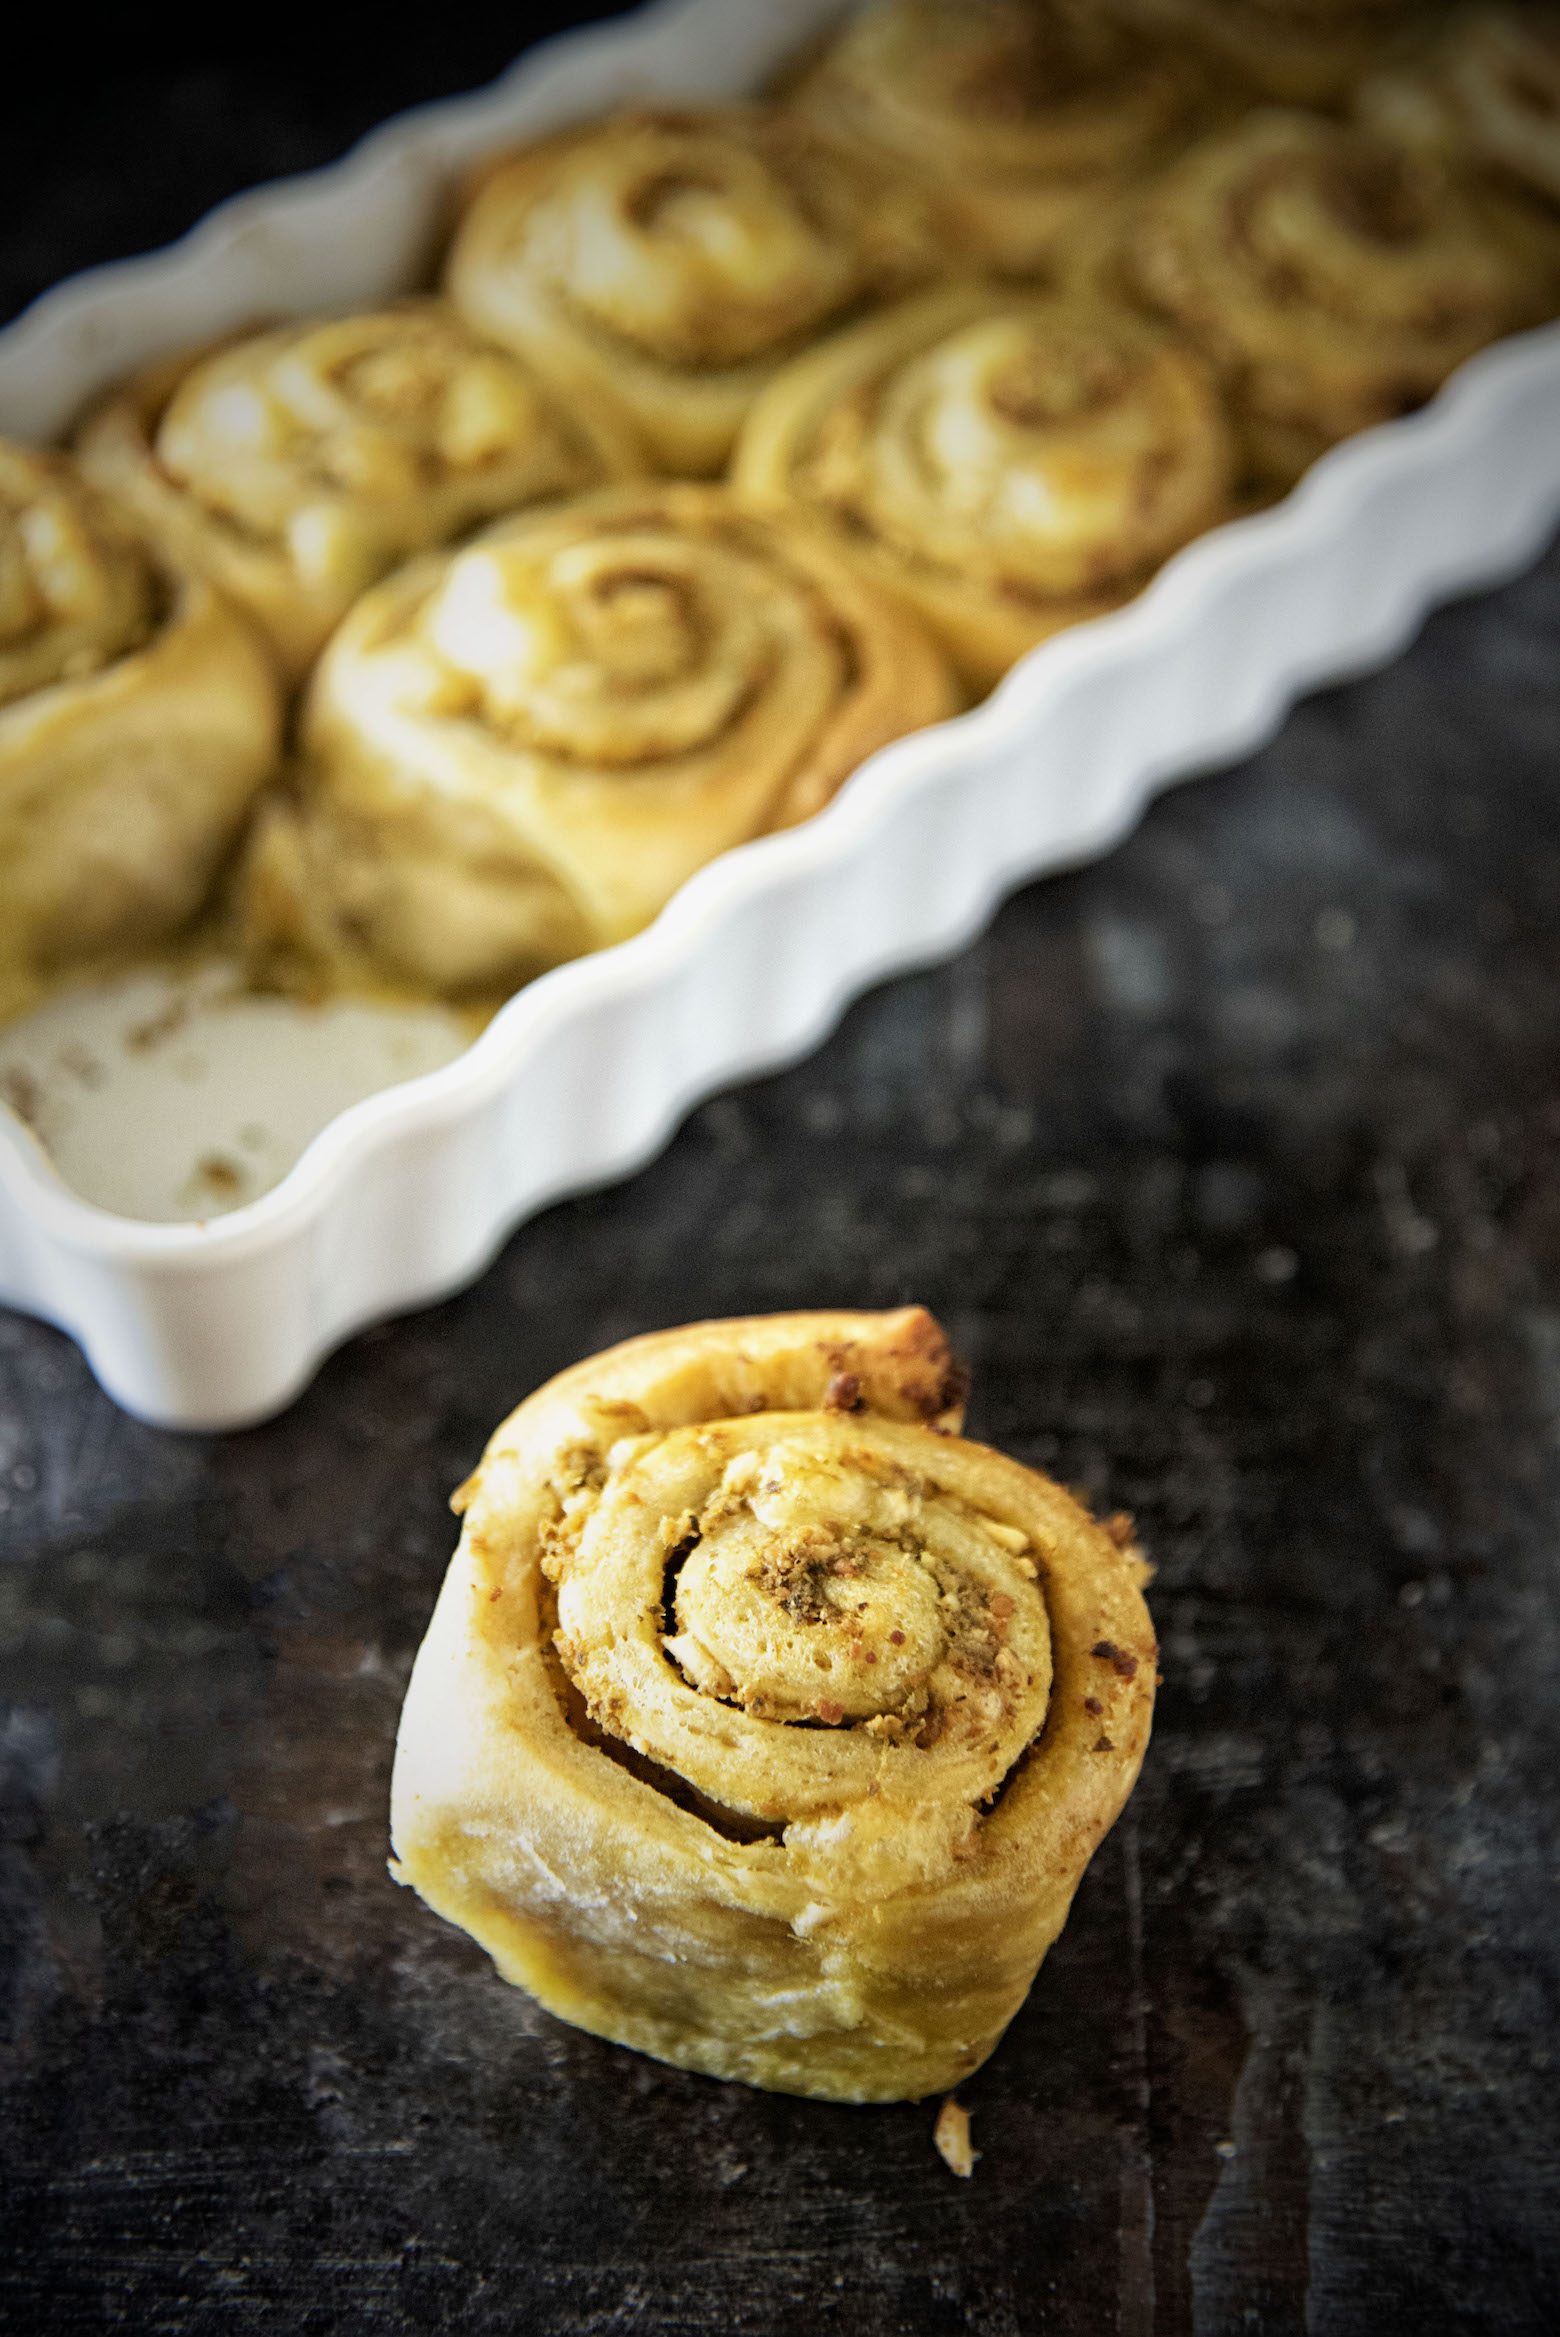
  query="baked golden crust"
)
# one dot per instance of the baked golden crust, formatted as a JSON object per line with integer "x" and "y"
{"x": 1301, "y": 52}
{"x": 1008, "y": 463}
{"x": 667, "y": 261}
{"x": 1016, "y": 114}
{"x": 519, "y": 751}
{"x": 293, "y": 467}
{"x": 1334, "y": 278}
{"x": 765, "y": 1724}
{"x": 138, "y": 716}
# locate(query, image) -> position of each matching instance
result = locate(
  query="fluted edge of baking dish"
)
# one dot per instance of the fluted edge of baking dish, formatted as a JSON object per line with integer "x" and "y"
{"x": 405, "y": 1197}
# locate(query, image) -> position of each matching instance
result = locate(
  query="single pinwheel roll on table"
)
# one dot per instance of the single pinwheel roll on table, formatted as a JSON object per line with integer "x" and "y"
{"x": 295, "y": 466}
{"x": 1006, "y": 462}
{"x": 138, "y": 716}
{"x": 1333, "y": 278}
{"x": 665, "y": 263}
{"x": 519, "y": 751}
{"x": 1304, "y": 52}
{"x": 764, "y": 1724}
{"x": 1015, "y": 115}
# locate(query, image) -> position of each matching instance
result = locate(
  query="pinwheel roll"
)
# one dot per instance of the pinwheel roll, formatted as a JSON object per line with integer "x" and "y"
{"x": 1008, "y": 463}
{"x": 1304, "y": 52}
{"x": 666, "y": 262}
{"x": 1486, "y": 92}
{"x": 1334, "y": 278}
{"x": 138, "y": 716}
{"x": 520, "y": 751}
{"x": 764, "y": 1724}
{"x": 294, "y": 467}
{"x": 1017, "y": 114}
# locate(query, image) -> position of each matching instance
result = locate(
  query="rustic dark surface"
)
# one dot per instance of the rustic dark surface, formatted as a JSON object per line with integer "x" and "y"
{"x": 1230, "y": 1163}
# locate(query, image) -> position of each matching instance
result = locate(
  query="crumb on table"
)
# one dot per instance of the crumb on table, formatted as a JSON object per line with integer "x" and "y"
{"x": 951, "y": 2134}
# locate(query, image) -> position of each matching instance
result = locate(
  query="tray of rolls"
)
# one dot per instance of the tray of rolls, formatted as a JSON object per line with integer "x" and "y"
{"x": 508, "y": 633}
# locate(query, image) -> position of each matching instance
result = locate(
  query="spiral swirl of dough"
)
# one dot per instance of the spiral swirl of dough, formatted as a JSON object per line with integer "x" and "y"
{"x": 765, "y": 1724}
{"x": 295, "y": 466}
{"x": 668, "y": 261}
{"x": 520, "y": 751}
{"x": 1299, "y": 52}
{"x": 1488, "y": 90}
{"x": 1018, "y": 113}
{"x": 137, "y": 718}
{"x": 1334, "y": 278}
{"x": 1008, "y": 463}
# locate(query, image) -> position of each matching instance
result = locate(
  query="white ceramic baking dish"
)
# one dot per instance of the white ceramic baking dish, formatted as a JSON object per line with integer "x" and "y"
{"x": 406, "y": 1195}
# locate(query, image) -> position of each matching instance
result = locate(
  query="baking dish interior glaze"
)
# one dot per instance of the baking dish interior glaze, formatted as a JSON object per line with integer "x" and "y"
{"x": 220, "y": 1320}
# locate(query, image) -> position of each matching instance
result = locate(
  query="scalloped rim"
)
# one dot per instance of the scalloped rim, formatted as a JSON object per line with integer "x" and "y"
{"x": 1473, "y": 484}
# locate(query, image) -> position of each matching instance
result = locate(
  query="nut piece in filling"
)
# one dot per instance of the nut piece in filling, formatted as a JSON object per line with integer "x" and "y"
{"x": 770, "y": 1736}
{"x": 519, "y": 751}
{"x": 138, "y": 717}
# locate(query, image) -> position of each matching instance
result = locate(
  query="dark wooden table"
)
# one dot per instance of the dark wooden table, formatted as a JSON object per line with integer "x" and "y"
{"x": 1231, "y": 1165}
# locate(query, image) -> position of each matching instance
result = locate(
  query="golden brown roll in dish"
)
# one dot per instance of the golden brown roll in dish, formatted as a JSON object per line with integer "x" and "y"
{"x": 138, "y": 716}
{"x": 1305, "y": 52}
{"x": 667, "y": 262}
{"x": 295, "y": 466}
{"x": 1007, "y": 462}
{"x": 1015, "y": 114}
{"x": 1334, "y": 278}
{"x": 764, "y": 1724}
{"x": 519, "y": 751}
{"x": 1487, "y": 91}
